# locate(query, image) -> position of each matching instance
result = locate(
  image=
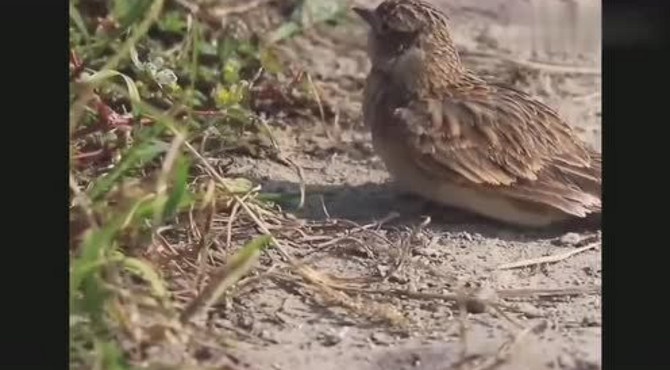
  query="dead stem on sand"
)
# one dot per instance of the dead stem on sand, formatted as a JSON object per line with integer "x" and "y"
{"x": 548, "y": 259}
{"x": 225, "y": 276}
{"x": 507, "y": 349}
{"x": 404, "y": 249}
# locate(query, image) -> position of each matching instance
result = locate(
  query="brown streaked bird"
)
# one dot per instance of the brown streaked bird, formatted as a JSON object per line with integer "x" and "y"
{"x": 452, "y": 138}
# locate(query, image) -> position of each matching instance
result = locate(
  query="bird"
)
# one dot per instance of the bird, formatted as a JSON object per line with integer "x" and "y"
{"x": 450, "y": 137}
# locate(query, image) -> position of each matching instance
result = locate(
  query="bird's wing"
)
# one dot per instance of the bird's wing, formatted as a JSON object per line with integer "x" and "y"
{"x": 495, "y": 137}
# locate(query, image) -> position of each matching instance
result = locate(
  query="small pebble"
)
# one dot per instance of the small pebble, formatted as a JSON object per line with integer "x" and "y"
{"x": 569, "y": 239}
{"x": 329, "y": 339}
{"x": 530, "y": 311}
{"x": 381, "y": 338}
{"x": 475, "y": 306}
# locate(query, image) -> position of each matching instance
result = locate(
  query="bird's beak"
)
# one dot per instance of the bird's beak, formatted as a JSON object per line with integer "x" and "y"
{"x": 368, "y": 15}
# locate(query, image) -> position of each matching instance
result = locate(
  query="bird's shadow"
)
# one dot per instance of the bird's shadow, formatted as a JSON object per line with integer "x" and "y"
{"x": 373, "y": 202}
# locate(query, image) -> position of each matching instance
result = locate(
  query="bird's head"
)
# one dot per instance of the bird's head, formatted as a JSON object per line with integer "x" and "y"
{"x": 405, "y": 32}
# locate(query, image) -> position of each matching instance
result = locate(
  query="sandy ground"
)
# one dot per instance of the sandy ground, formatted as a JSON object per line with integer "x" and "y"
{"x": 345, "y": 180}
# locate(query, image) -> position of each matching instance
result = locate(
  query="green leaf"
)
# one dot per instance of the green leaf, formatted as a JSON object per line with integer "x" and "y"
{"x": 133, "y": 92}
{"x": 94, "y": 295}
{"x": 195, "y": 36}
{"x": 250, "y": 250}
{"x": 269, "y": 60}
{"x": 247, "y": 49}
{"x": 127, "y": 12}
{"x": 180, "y": 190}
{"x": 231, "y": 71}
{"x": 239, "y": 115}
{"x": 94, "y": 249}
{"x": 141, "y": 152}
{"x": 229, "y": 97}
{"x": 109, "y": 356}
{"x": 79, "y": 21}
{"x": 226, "y": 48}
{"x": 172, "y": 21}
{"x": 207, "y": 49}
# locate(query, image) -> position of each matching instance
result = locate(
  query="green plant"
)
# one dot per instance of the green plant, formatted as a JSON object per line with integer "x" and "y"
{"x": 140, "y": 81}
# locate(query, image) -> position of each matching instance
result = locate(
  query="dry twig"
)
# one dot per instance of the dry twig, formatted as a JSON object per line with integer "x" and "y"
{"x": 548, "y": 259}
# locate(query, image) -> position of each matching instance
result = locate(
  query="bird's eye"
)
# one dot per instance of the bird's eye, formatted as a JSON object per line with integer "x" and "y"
{"x": 384, "y": 27}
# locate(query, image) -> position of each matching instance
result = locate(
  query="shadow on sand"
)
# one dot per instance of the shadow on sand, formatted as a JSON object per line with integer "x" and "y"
{"x": 373, "y": 202}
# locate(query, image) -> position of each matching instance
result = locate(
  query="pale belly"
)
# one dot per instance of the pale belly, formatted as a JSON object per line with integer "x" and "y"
{"x": 483, "y": 202}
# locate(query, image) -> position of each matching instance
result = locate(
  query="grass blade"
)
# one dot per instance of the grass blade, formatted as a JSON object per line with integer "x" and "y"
{"x": 128, "y": 12}
{"x": 227, "y": 276}
{"x": 94, "y": 249}
{"x": 145, "y": 271}
{"x": 141, "y": 152}
{"x": 133, "y": 92}
{"x": 109, "y": 356}
{"x": 180, "y": 190}
{"x": 79, "y": 21}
